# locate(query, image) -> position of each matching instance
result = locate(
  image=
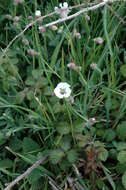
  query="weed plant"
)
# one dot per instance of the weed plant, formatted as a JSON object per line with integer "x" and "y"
{"x": 82, "y": 137}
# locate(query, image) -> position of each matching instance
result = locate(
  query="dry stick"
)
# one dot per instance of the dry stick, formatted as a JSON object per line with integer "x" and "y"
{"x": 57, "y": 21}
{"x": 53, "y": 184}
{"x": 25, "y": 174}
{"x": 79, "y": 13}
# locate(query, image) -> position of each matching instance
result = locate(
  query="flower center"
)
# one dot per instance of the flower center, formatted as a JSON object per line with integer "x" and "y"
{"x": 62, "y": 91}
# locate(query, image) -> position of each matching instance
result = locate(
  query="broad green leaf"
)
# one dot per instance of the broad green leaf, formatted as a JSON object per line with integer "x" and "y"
{"x": 36, "y": 73}
{"x": 123, "y": 70}
{"x": 78, "y": 126}
{"x": 121, "y": 168}
{"x": 121, "y": 130}
{"x": 30, "y": 81}
{"x": 2, "y": 138}
{"x": 72, "y": 156}
{"x": 124, "y": 179}
{"x": 20, "y": 97}
{"x": 48, "y": 91}
{"x": 63, "y": 128}
{"x": 122, "y": 157}
{"x": 34, "y": 176}
{"x": 65, "y": 143}
{"x": 109, "y": 135}
{"x": 83, "y": 140}
{"x": 121, "y": 146}
{"x": 113, "y": 153}
{"x": 15, "y": 144}
{"x": 42, "y": 82}
{"x": 30, "y": 95}
{"x": 29, "y": 145}
{"x": 56, "y": 155}
{"x": 100, "y": 183}
{"x": 6, "y": 163}
{"x": 103, "y": 154}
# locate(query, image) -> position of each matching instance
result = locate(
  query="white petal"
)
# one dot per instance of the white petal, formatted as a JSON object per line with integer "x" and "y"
{"x": 63, "y": 85}
{"x": 60, "y": 5}
{"x": 68, "y": 92}
{"x": 65, "y": 5}
{"x": 57, "y": 93}
{"x": 55, "y": 8}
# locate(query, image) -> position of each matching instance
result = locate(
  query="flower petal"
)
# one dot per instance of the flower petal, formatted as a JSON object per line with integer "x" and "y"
{"x": 65, "y": 5}
{"x": 57, "y": 93}
{"x": 68, "y": 92}
{"x": 63, "y": 85}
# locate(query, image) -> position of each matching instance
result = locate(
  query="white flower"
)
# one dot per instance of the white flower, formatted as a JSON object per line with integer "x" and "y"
{"x": 37, "y": 13}
{"x": 63, "y": 10}
{"x": 62, "y": 90}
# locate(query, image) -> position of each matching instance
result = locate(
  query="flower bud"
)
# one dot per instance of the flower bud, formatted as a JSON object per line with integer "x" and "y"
{"x": 25, "y": 41}
{"x": 87, "y": 17}
{"x": 93, "y": 66}
{"x": 9, "y": 17}
{"x": 16, "y": 18}
{"x": 71, "y": 66}
{"x": 16, "y": 2}
{"x": 99, "y": 40}
{"x": 53, "y": 27}
{"x": 32, "y": 52}
{"x": 42, "y": 29}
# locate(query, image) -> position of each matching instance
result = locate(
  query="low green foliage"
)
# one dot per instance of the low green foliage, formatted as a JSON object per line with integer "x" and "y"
{"x": 84, "y": 136}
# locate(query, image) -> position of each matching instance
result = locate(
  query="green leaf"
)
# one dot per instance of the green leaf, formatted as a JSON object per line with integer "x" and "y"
{"x": 72, "y": 156}
{"x": 113, "y": 153}
{"x": 6, "y": 163}
{"x": 109, "y": 135}
{"x": 121, "y": 168}
{"x": 123, "y": 70}
{"x": 34, "y": 176}
{"x": 48, "y": 91}
{"x": 121, "y": 130}
{"x": 65, "y": 143}
{"x": 30, "y": 81}
{"x": 29, "y": 145}
{"x": 63, "y": 128}
{"x": 83, "y": 140}
{"x": 103, "y": 154}
{"x": 78, "y": 126}
{"x": 42, "y": 82}
{"x": 37, "y": 185}
{"x": 20, "y": 97}
{"x": 124, "y": 179}
{"x": 36, "y": 73}
{"x": 121, "y": 146}
{"x": 100, "y": 183}
{"x": 15, "y": 144}
{"x": 108, "y": 176}
{"x": 122, "y": 157}
{"x": 57, "y": 107}
{"x": 56, "y": 156}
{"x": 2, "y": 138}
{"x": 30, "y": 95}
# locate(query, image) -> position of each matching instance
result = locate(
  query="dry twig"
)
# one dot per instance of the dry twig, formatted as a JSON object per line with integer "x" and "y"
{"x": 25, "y": 174}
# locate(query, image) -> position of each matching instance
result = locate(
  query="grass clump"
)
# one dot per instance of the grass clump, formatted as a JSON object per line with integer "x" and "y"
{"x": 82, "y": 136}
